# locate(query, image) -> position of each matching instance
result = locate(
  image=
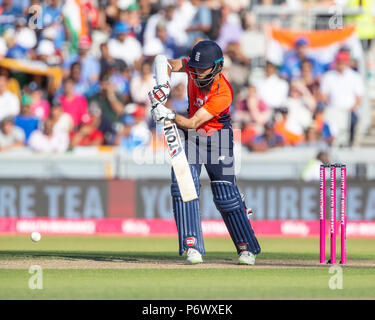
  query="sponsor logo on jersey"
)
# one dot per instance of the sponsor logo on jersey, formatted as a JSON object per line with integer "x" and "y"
{"x": 199, "y": 102}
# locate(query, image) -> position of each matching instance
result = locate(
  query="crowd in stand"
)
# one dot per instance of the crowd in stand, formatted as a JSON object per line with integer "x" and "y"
{"x": 105, "y": 49}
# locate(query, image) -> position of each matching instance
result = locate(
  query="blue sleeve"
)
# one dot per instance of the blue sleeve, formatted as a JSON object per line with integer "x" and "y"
{"x": 284, "y": 71}
{"x": 318, "y": 68}
{"x": 326, "y": 131}
{"x": 205, "y": 17}
{"x": 69, "y": 61}
{"x": 94, "y": 66}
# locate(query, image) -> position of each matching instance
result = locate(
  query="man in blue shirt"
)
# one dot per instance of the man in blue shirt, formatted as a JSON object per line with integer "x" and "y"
{"x": 90, "y": 66}
{"x": 52, "y": 13}
{"x": 291, "y": 67}
{"x": 26, "y": 121}
{"x": 8, "y": 15}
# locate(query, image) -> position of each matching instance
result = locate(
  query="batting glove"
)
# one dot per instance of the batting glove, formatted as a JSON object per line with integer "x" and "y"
{"x": 160, "y": 113}
{"x": 159, "y": 94}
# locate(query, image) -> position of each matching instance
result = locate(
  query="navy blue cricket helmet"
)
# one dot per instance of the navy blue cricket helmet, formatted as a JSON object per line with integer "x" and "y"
{"x": 204, "y": 55}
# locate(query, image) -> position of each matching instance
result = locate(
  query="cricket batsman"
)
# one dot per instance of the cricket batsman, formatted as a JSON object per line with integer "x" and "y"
{"x": 208, "y": 140}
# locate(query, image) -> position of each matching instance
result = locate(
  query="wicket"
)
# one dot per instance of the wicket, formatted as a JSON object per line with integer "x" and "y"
{"x": 333, "y": 223}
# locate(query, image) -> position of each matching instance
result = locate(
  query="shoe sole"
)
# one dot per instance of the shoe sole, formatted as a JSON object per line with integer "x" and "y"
{"x": 241, "y": 262}
{"x": 194, "y": 261}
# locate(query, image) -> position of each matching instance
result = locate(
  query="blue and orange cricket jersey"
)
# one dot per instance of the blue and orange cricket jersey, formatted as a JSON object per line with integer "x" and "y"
{"x": 217, "y": 102}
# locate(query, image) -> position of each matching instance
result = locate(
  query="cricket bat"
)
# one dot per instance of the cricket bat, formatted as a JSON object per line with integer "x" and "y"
{"x": 172, "y": 137}
{"x": 179, "y": 162}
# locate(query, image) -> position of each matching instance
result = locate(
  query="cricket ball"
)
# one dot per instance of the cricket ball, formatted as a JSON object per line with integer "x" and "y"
{"x": 35, "y": 236}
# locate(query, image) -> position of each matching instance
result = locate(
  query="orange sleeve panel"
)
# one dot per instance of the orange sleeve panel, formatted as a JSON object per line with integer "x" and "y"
{"x": 219, "y": 101}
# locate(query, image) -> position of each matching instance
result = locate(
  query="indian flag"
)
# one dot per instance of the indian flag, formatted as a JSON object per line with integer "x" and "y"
{"x": 75, "y": 22}
{"x": 323, "y": 44}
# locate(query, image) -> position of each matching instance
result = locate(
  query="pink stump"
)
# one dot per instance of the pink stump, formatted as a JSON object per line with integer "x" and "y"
{"x": 322, "y": 214}
{"x": 343, "y": 214}
{"x": 332, "y": 226}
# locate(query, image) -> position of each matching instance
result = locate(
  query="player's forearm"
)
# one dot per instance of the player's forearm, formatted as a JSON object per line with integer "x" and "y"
{"x": 185, "y": 123}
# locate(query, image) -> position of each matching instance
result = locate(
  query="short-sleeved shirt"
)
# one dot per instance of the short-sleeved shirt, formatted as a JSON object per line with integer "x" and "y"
{"x": 76, "y": 107}
{"x": 217, "y": 102}
{"x": 27, "y": 123}
{"x": 95, "y": 135}
{"x": 342, "y": 88}
{"x": 291, "y": 67}
{"x": 16, "y": 135}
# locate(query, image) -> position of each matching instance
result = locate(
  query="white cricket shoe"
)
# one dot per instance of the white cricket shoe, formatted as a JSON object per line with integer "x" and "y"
{"x": 246, "y": 257}
{"x": 193, "y": 256}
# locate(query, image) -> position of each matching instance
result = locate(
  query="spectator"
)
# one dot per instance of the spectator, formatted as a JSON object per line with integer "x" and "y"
{"x": 342, "y": 90}
{"x": 107, "y": 61}
{"x": 104, "y": 125}
{"x": 61, "y": 121}
{"x": 90, "y": 66}
{"x": 47, "y": 53}
{"x": 178, "y": 100}
{"x": 322, "y": 126}
{"x": 24, "y": 36}
{"x": 239, "y": 69}
{"x": 312, "y": 139}
{"x": 291, "y": 67}
{"x": 272, "y": 90}
{"x": 87, "y": 134}
{"x": 124, "y": 46}
{"x": 55, "y": 33}
{"x": 253, "y": 41}
{"x": 130, "y": 13}
{"x": 268, "y": 140}
{"x": 252, "y": 109}
{"x": 46, "y": 140}
{"x": 27, "y": 121}
{"x": 3, "y": 48}
{"x": 312, "y": 170}
{"x": 108, "y": 102}
{"x": 119, "y": 78}
{"x": 176, "y": 17}
{"x": 81, "y": 87}
{"x": 39, "y": 106}
{"x": 52, "y": 13}
{"x": 13, "y": 84}
{"x": 248, "y": 133}
{"x": 364, "y": 21}
{"x": 8, "y": 16}
{"x": 135, "y": 132}
{"x": 11, "y": 136}
{"x": 301, "y": 106}
{"x": 308, "y": 79}
{"x": 141, "y": 83}
{"x": 180, "y": 21}
{"x": 124, "y": 139}
{"x": 283, "y": 130}
{"x": 108, "y": 14}
{"x": 230, "y": 28}
{"x": 9, "y": 103}
{"x": 201, "y": 22}
{"x": 73, "y": 104}
{"x": 162, "y": 43}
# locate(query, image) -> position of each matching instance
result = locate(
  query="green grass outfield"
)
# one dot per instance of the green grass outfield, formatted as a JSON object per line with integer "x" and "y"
{"x": 149, "y": 268}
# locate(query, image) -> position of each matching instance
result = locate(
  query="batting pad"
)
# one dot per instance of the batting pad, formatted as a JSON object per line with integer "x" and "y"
{"x": 228, "y": 201}
{"x": 188, "y": 217}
